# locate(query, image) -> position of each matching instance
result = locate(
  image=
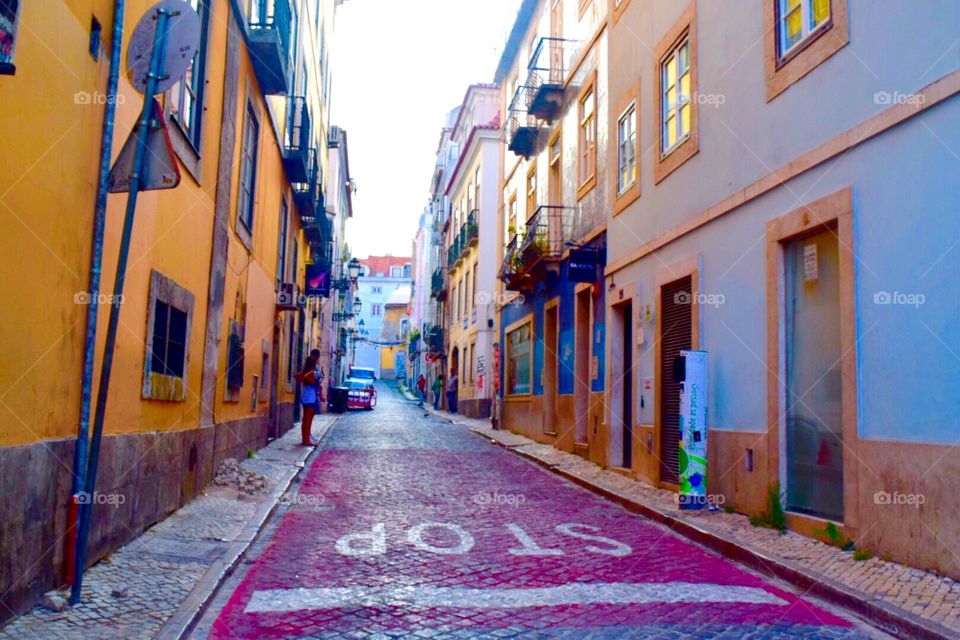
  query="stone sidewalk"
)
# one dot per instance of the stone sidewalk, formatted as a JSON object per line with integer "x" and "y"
{"x": 905, "y": 601}
{"x": 155, "y": 585}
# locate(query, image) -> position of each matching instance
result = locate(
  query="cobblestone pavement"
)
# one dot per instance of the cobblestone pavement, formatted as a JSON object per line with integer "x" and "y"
{"x": 158, "y": 570}
{"x": 910, "y": 591}
{"x": 409, "y": 526}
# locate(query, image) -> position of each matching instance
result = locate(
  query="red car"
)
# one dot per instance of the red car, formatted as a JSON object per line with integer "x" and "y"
{"x": 361, "y": 394}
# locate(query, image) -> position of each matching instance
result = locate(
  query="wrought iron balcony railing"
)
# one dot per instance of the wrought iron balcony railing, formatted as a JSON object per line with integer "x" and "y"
{"x": 269, "y": 29}
{"x": 453, "y": 253}
{"x": 470, "y": 230}
{"x": 511, "y": 268}
{"x": 298, "y": 140}
{"x": 437, "y": 284}
{"x": 548, "y": 68}
{"x": 520, "y": 128}
{"x": 543, "y": 237}
{"x": 306, "y": 194}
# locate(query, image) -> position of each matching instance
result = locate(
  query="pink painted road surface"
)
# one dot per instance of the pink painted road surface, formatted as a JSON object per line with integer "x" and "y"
{"x": 408, "y": 526}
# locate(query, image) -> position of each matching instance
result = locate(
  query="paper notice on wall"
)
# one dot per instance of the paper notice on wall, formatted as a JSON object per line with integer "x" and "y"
{"x": 811, "y": 266}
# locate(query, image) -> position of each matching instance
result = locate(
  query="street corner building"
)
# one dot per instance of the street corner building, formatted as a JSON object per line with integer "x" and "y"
{"x": 787, "y": 208}
{"x": 226, "y": 275}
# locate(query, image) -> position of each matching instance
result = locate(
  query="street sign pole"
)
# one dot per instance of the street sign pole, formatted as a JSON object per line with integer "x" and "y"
{"x": 146, "y": 122}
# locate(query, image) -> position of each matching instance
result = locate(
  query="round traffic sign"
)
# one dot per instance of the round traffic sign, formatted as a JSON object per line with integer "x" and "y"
{"x": 182, "y": 41}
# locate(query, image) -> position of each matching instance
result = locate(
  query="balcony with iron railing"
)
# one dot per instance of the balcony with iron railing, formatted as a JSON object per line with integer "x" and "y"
{"x": 548, "y": 69}
{"x": 539, "y": 249}
{"x": 453, "y": 254}
{"x": 298, "y": 142}
{"x": 307, "y": 194}
{"x": 269, "y": 28}
{"x": 469, "y": 231}
{"x": 511, "y": 269}
{"x": 543, "y": 236}
{"x": 438, "y": 285}
{"x": 520, "y": 128}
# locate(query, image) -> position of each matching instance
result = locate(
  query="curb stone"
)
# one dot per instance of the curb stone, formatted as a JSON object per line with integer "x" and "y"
{"x": 193, "y": 607}
{"x": 894, "y": 621}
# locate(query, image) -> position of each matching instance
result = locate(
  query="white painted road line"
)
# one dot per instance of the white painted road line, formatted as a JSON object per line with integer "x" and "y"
{"x": 285, "y": 600}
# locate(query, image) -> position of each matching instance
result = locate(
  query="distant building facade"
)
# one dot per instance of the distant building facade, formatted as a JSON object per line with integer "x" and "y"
{"x": 380, "y": 278}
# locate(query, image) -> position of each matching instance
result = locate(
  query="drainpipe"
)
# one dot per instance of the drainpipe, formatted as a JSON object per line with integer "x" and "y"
{"x": 96, "y": 258}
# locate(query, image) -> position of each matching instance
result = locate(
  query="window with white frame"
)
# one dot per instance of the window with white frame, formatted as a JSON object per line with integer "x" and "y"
{"x": 675, "y": 97}
{"x": 798, "y": 21}
{"x": 587, "y": 141}
{"x": 627, "y": 149}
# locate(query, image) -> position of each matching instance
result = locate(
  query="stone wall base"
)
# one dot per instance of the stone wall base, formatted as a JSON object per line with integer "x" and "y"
{"x": 143, "y": 477}
{"x": 474, "y": 408}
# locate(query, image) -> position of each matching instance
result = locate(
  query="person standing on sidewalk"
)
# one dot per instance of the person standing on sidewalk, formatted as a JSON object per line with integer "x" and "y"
{"x": 309, "y": 378}
{"x": 437, "y": 391}
{"x": 421, "y": 389}
{"x": 452, "y": 388}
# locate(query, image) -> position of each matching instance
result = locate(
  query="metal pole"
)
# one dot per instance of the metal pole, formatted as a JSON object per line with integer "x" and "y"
{"x": 146, "y": 121}
{"x": 96, "y": 259}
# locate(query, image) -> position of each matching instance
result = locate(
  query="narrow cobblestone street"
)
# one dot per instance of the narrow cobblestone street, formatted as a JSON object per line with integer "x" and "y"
{"x": 409, "y": 526}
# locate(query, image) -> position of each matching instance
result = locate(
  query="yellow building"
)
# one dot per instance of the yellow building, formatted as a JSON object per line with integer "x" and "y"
{"x": 209, "y": 336}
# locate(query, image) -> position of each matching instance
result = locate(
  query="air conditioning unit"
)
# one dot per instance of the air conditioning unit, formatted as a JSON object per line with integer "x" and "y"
{"x": 288, "y": 296}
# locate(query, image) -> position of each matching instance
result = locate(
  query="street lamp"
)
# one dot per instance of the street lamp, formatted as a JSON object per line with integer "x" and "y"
{"x": 353, "y": 269}
{"x": 357, "y": 305}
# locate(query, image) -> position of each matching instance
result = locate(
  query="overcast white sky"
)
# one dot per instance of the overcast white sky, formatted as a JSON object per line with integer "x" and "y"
{"x": 399, "y": 67}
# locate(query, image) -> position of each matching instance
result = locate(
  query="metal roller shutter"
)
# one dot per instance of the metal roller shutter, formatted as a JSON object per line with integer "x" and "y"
{"x": 676, "y": 327}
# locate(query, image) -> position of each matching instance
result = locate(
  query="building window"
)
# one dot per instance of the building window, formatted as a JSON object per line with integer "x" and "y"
{"x": 532, "y": 189}
{"x": 376, "y": 289}
{"x": 626, "y": 179}
{"x": 587, "y": 138}
{"x": 9, "y": 17}
{"x": 512, "y": 218}
{"x": 519, "y": 362}
{"x": 375, "y": 310}
{"x": 675, "y": 109}
{"x": 248, "y": 168}
{"x": 476, "y": 188}
{"x": 792, "y": 43}
{"x": 396, "y": 272}
{"x": 555, "y": 176}
{"x": 627, "y": 149}
{"x": 798, "y": 21}
{"x": 675, "y": 97}
{"x": 169, "y": 319}
{"x": 282, "y": 243}
{"x": 186, "y": 97}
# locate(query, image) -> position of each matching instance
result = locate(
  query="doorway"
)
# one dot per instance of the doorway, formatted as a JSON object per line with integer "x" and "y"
{"x": 626, "y": 376}
{"x": 676, "y": 335}
{"x": 550, "y": 331}
{"x": 582, "y": 365}
{"x": 814, "y": 439}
